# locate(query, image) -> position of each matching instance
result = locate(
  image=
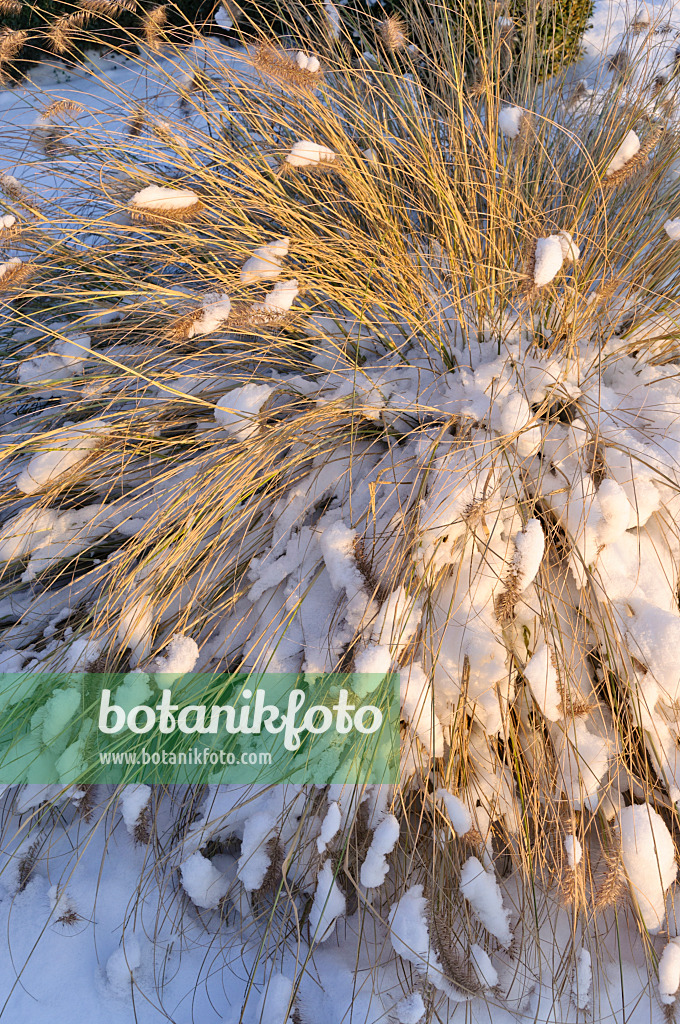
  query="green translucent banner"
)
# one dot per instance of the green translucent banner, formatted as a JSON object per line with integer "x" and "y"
{"x": 84, "y": 728}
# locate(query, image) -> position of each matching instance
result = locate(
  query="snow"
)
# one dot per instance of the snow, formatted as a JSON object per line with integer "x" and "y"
{"x": 669, "y": 971}
{"x": 459, "y": 815}
{"x": 66, "y": 448}
{"x": 276, "y": 1000}
{"x": 10, "y": 265}
{"x": 484, "y": 968}
{"x": 280, "y": 298}
{"x": 329, "y": 827}
{"x": 202, "y": 882}
{"x": 333, "y": 18}
{"x": 626, "y": 151}
{"x": 253, "y": 864}
{"x": 237, "y": 411}
{"x": 307, "y": 62}
{"x": 265, "y": 263}
{"x": 549, "y": 259}
{"x": 122, "y": 967}
{"x": 481, "y": 890}
{"x": 570, "y": 250}
{"x": 672, "y": 229}
{"x": 541, "y": 675}
{"x": 510, "y": 121}
{"x": 180, "y": 657}
{"x": 223, "y": 18}
{"x": 410, "y": 939}
{"x": 133, "y": 800}
{"x": 309, "y": 154}
{"x": 582, "y": 979}
{"x": 410, "y": 1009}
{"x": 529, "y": 550}
{"x": 328, "y": 906}
{"x": 214, "y": 311}
{"x": 375, "y": 866}
{"x": 573, "y": 849}
{"x": 417, "y": 707}
{"x": 56, "y": 714}
{"x": 160, "y": 198}
{"x": 623, "y": 564}
{"x": 66, "y": 359}
{"x": 648, "y": 855}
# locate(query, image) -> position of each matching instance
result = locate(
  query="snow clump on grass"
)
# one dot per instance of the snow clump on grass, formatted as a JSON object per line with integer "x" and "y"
{"x": 672, "y": 229}
{"x": 66, "y": 449}
{"x": 238, "y": 411}
{"x": 159, "y": 199}
{"x": 510, "y": 121}
{"x": 481, "y": 890}
{"x": 549, "y": 259}
{"x": 648, "y": 854}
{"x": 309, "y": 154}
{"x": 265, "y": 263}
{"x": 669, "y": 971}
{"x": 624, "y": 154}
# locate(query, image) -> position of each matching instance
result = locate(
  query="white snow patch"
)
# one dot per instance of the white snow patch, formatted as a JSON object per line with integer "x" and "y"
{"x": 265, "y": 263}
{"x": 375, "y": 866}
{"x": 202, "y": 882}
{"x": 328, "y": 906}
{"x": 510, "y": 121}
{"x": 481, "y": 890}
{"x": 541, "y": 675}
{"x": 649, "y": 860}
{"x": 159, "y": 198}
{"x": 549, "y": 259}
{"x": 66, "y": 448}
{"x": 309, "y": 154}
{"x": 237, "y": 412}
{"x": 583, "y": 975}
{"x": 626, "y": 151}
{"x": 459, "y": 815}
{"x": 669, "y": 971}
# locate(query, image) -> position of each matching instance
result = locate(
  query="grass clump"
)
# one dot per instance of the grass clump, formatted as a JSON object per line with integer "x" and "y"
{"x": 435, "y": 431}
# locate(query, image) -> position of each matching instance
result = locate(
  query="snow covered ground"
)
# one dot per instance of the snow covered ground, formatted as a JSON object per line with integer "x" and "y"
{"x": 185, "y": 965}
